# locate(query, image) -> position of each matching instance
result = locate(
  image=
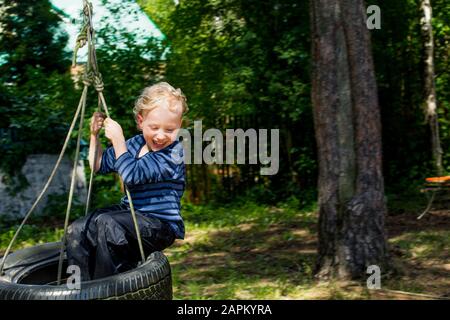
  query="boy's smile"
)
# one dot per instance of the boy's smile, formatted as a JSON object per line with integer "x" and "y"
{"x": 159, "y": 127}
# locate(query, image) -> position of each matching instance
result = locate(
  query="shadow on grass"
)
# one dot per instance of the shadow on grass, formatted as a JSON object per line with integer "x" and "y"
{"x": 249, "y": 260}
{"x": 420, "y": 278}
{"x": 252, "y": 252}
{"x": 436, "y": 220}
{"x": 421, "y": 249}
{"x": 259, "y": 260}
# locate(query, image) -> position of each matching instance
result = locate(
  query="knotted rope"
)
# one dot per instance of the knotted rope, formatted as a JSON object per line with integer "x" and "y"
{"x": 91, "y": 77}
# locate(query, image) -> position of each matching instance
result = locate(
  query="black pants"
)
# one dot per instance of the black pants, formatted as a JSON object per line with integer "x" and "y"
{"x": 105, "y": 242}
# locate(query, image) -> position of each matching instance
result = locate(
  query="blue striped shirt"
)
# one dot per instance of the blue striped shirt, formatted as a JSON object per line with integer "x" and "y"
{"x": 156, "y": 180}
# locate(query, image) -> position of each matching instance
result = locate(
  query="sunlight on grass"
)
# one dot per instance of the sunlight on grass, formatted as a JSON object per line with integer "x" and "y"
{"x": 30, "y": 235}
{"x": 244, "y": 252}
{"x": 251, "y": 251}
{"x": 424, "y": 244}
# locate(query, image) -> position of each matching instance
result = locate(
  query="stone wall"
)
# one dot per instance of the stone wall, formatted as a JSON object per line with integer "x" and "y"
{"x": 37, "y": 170}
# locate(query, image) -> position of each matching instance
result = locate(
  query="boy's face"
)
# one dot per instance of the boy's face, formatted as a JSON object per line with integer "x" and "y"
{"x": 159, "y": 127}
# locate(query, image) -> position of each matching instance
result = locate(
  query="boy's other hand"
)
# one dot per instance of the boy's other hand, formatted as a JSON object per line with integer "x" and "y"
{"x": 113, "y": 131}
{"x": 97, "y": 122}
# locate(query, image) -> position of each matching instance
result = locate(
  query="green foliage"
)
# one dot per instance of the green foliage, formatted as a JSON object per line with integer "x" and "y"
{"x": 159, "y": 11}
{"x": 231, "y": 58}
{"x": 441, "y": 28}
{"x": 258, "y": 51}
{"x": 37, "y": 97}
{"x": 57, "y": 206}
{"x": 38, "y": 108}
{"x": 128, "y": 65}
{"x": 106, "y": 191}
{"x": 398, "y": 53}
{"x": 250, "y": 59}
{"x": 30, "y": 38}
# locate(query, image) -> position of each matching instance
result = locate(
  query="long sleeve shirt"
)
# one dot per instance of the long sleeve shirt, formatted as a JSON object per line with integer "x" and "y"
{"x": 156, "y": 180}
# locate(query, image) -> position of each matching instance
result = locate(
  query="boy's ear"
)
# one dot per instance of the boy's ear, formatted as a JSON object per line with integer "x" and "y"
{"x": 139, "y": 119}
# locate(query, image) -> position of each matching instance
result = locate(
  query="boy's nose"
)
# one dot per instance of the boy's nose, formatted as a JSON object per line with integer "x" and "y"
{"x": 159, "y": 137}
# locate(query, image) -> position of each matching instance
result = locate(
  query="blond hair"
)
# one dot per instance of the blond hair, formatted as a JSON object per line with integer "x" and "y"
{"x": 160, "y": 94}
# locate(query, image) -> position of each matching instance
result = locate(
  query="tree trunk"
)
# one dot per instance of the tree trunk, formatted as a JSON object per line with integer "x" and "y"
{"x": 430, "y": 86}
{"x": 348, "y": 134}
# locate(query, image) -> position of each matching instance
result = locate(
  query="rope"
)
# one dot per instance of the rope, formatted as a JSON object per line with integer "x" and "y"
{"x": 80, "y": 42}
{"x": 91, "y": 179}
{"x": 415, "y": 294}
{"x": 91, "y": 176}
{"x": 130, "y": 201}
{"x": 47, "y": 184}
{"x": 92, "y": 77}
{"x": 136, "y": 226}
{"x": 428, "y": 206}
{"x": 72, "y": 188}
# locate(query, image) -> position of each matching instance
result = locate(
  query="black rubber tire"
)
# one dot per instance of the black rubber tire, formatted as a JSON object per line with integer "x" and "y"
{"x": 149, "y": 281}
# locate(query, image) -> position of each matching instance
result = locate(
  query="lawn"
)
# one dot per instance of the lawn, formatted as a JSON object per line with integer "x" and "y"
{"x": 250, "y": 251}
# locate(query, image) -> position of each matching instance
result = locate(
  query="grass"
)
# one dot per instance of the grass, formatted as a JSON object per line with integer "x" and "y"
{"x": 246, "y": 251}
{"x": 250, "y": 251}
{"x": 29, "y": 236}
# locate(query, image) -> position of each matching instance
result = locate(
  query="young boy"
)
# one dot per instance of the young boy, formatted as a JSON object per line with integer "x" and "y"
{"x": 105, "y": 242}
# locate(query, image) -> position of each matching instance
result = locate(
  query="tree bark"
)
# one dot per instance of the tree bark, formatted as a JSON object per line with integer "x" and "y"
{"x": 348, "y": 133}
{"x": 430, "y": 86}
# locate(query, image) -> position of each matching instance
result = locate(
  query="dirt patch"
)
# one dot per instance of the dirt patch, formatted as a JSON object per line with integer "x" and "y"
{"x": 438, "y": 220}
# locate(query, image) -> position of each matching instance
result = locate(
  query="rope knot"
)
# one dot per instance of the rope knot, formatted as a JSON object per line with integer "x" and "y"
{"x": 81, "y": 40}
{"x": 87, "y": 9}
{"x": 98, "y": 83}
{"x": 87, "y": 78}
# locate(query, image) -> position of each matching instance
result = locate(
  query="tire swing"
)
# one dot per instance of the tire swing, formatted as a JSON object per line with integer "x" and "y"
{"x": 35, "y": 273}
